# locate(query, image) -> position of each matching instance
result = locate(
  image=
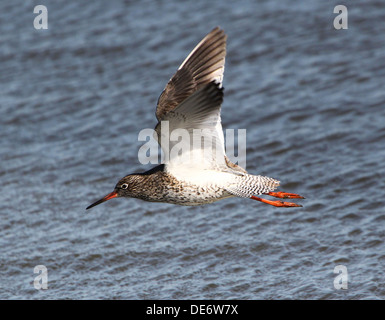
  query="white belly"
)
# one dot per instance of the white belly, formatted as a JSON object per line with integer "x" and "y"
{"x": 200, "y": 186}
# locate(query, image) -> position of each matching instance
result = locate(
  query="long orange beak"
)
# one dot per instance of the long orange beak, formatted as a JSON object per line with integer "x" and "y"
{"x": 109, "y": 196}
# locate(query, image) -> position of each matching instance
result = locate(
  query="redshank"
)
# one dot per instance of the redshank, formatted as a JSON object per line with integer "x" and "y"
{"x": 190, "y": 101}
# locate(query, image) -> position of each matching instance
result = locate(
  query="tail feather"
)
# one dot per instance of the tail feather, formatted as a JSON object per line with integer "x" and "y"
{"x": 249, "y": 185}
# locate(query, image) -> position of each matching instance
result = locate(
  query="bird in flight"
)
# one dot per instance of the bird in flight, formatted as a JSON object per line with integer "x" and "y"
{"x": 198, "y": 173}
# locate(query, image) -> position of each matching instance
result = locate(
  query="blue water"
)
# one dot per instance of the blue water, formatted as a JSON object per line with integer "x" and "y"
{"x": 74, "y": 97}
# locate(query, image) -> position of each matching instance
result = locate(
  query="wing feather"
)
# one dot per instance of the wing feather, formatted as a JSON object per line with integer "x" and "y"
{"x": 197, "y": 121}
{"x": 203, "y": 65}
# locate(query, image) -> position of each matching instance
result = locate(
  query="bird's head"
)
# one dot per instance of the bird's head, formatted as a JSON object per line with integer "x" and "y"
{"x": 126, "y": 187}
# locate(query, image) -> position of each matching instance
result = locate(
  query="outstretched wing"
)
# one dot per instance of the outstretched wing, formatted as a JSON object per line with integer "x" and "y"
{"x": 189, "y": 135}
{"x": 203, "y": 65}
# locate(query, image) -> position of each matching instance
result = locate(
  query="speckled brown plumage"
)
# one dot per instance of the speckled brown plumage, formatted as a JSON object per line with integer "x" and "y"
{"x": 156, "y": 185}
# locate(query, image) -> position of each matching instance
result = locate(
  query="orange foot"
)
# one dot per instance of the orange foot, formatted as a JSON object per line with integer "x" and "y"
{"x": 276, "y": 203}
{"x": 285, "y": 195}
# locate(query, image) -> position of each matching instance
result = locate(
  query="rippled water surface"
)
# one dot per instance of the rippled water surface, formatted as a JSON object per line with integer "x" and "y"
{"x": 73, "y": 99}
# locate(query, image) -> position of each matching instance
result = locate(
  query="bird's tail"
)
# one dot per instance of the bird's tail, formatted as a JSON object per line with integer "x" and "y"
{"x": 247, "y": 185}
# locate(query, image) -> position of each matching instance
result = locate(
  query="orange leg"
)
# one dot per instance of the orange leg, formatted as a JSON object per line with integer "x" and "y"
{"x": 285, "y": 195}
{"x": 276, "y": 203}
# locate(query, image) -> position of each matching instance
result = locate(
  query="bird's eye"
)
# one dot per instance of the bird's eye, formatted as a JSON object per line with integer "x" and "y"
{"x": 124, "y": 186}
